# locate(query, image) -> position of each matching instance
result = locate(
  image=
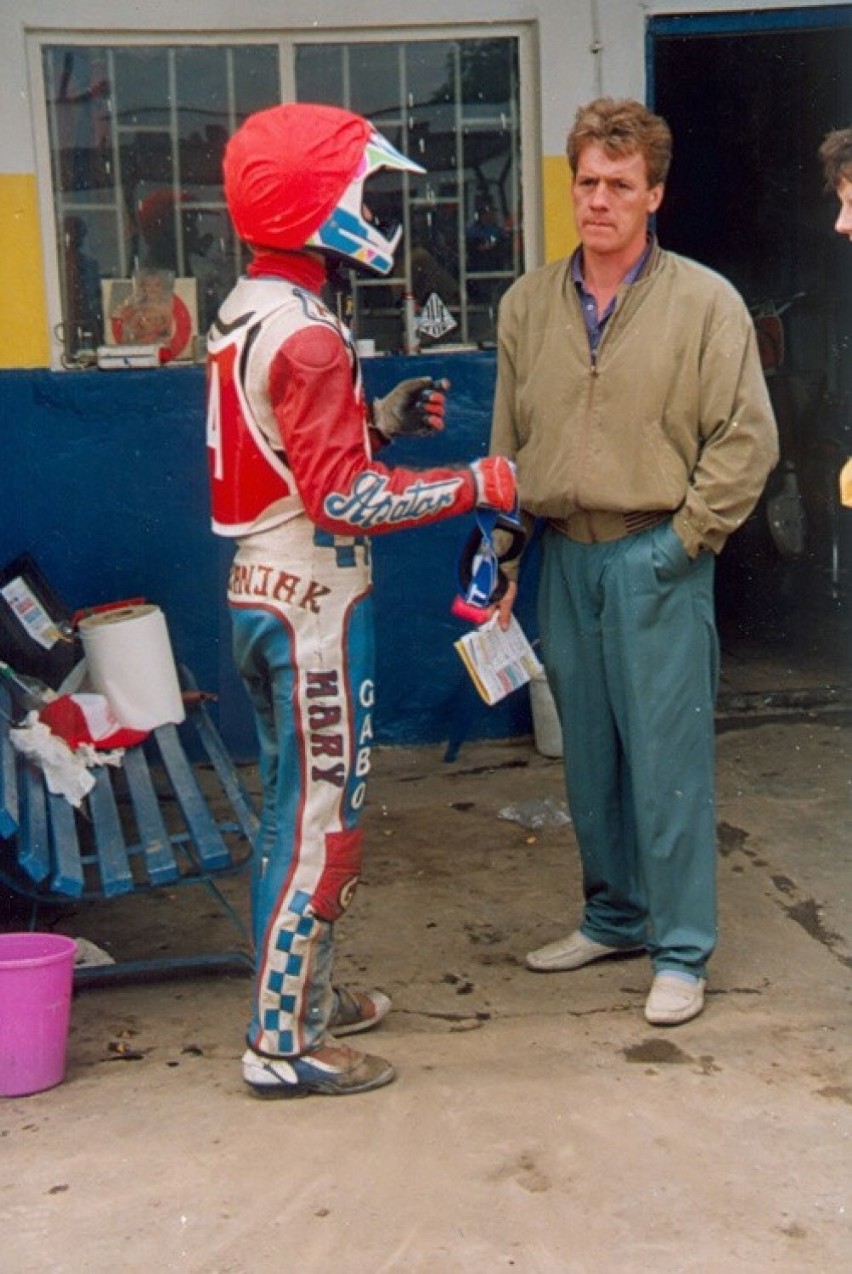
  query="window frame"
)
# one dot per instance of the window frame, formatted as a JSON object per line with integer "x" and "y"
{"x": 286, "y": 42}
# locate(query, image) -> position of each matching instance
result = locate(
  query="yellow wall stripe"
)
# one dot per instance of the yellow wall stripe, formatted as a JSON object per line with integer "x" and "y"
{"x": 560, "y": 233}
{"x": 23, "y": 311}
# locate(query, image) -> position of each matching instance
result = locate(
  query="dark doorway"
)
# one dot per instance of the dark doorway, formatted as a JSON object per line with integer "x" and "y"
{"x": 749, "y": 98}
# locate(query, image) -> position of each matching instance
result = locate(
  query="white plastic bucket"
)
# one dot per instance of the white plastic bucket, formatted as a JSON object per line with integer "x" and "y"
{"x": 546, "y": 728}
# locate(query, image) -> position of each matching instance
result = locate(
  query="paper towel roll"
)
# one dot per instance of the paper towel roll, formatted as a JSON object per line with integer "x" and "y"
{"x": 130, "y": 662}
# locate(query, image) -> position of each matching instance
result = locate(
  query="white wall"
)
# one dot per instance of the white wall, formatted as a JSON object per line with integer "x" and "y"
{"x": 571, "y": 72}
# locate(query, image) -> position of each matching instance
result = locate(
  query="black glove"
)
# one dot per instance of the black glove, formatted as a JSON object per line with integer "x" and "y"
{"x": 414, "y": 408}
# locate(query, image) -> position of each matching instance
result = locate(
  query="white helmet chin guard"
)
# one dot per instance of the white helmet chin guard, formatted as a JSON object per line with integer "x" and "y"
{"x": 346, "y": 232}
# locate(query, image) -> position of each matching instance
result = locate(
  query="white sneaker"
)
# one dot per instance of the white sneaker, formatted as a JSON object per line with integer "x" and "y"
{"x": 333, "y": 1069}
{"x": 674, "y": 998}
{"x": 572, "y": 953}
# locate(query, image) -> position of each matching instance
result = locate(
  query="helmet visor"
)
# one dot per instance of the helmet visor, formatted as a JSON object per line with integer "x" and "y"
{"x": 352, "y": 230}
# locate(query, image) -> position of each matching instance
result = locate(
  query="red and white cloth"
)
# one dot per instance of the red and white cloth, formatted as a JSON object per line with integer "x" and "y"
{"x": 89, "y": 719}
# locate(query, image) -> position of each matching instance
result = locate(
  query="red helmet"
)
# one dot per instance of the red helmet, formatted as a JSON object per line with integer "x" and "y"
{"x": 291, "y": 174}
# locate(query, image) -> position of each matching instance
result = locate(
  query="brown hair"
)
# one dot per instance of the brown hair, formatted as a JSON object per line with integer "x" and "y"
{"x": 622, "y": 128}
{"x": 836, "y": 157}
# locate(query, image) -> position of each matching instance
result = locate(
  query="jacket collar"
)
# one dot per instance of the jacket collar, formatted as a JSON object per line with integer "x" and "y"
{"x": 303, "y": 268}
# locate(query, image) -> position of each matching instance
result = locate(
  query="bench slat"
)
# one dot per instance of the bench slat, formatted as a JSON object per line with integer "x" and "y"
{"x": 67, "y": 866}
{"x": 116, "y": 876}
{"x": 156, "y": 842}
{"x": 35, "y": 856}
{"x": 8, "y": 778}
{"x": 231, "y": 785}
{"x": 212, "y": 850}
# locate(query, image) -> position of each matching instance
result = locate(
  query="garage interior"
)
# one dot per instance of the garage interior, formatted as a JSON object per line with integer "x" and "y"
{"x": 750, "y": 97}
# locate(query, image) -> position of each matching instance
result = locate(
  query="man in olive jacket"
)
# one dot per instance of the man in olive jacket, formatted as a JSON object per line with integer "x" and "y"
{"x": 630, "y": 394}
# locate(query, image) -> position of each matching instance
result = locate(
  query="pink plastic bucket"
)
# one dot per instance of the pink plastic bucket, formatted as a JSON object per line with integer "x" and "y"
{"x": 36, "y": 977}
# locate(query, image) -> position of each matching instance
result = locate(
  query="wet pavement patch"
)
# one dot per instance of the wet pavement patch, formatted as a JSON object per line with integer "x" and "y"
{"x": 660, "y": 1052}
{"x": 807, "y": 914}
{"x": 730, "y": 838}
{"x": 784, "y": 884}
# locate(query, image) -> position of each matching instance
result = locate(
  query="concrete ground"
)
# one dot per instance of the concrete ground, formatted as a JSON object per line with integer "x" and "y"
{"x": 537, "y": 1123}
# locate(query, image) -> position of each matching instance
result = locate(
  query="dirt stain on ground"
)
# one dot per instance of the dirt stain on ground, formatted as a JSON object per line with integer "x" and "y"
{"x": 807, "y": 913}
{"x": 525, "y": 1172}
{"x": 657, "y": 1051}
{"x": 836, "y": 1092}
{"x": 730, "y": 838}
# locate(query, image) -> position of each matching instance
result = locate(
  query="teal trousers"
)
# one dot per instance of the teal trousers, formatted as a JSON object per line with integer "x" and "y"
{"x": 631, "y": 653}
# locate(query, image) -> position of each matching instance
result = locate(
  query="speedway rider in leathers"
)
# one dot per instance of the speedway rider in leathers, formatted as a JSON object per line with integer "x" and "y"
{"x": 294, "y": 482}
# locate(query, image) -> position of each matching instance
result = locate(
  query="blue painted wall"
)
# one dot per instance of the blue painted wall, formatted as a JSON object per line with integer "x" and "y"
{"x": 105, "y": 484}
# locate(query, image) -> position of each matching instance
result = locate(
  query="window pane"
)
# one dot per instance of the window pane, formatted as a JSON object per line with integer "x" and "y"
{"x": 434, "y": 239}
{"x": 77, "y": 88}
{"x": 137, "y": 138}
{"x": 487, "y": 76}
{"x": 212, "y": 259}
{"x": 201, "y": 80}
{"x": 95, "y": 232}
{"x": 319, "y": 74}
{"x": 374, "y": 82}
{"x": 489, "y": 167}
{"x": 141, "y": 89}
{"x": 256, "y": 78}
{"x": 84, "y": 247}
{"x": 482, "y": 313}
{"x": 147, "y": 158}
{"x": 430, "y": 67}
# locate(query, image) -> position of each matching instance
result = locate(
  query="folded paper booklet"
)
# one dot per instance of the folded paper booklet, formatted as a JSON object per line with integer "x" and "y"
{"x": 498, "y": 662}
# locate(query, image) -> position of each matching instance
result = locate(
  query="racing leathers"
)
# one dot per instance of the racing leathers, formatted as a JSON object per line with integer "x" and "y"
{"x": 294, "y": 481}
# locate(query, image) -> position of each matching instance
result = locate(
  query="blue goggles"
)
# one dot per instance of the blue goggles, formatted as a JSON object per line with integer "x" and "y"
{"x": 482, "y": 583}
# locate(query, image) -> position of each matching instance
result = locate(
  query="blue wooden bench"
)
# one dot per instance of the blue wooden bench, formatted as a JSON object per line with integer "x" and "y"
{"x": 151, "y": 823}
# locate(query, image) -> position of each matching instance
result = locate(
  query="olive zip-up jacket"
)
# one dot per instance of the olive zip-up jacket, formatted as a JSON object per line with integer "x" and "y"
{"x": 673, "y": 416}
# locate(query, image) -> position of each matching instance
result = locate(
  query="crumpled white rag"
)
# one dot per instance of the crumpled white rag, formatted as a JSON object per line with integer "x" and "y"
{"x": 66, "y": 773}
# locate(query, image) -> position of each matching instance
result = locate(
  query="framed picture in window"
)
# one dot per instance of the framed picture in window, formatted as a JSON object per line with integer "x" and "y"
{"x": 152, "y": 308}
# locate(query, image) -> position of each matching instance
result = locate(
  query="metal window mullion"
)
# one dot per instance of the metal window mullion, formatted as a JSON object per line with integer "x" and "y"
{"x": 406, "y": 106}
{"x": 231, "y": 90}
{"x": 355, "y": 287}
{"x": 176, "y": 182}
{"x": 531, "y": 241}
{"x": 59, "y": 202}
{"x": 514, "y": 150}
{"x": 347, "y": 75}
{"x": 460, "y": 190}
{"x": 118, "y": 185}
{"x": 53, "y": 116}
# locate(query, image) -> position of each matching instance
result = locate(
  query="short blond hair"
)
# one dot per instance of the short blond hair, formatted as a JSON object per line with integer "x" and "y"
{"x": 835, "y": 155}
{"x": 622, "y": 127}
